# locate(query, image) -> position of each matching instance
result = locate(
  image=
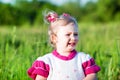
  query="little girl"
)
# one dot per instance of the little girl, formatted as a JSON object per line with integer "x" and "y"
{"x": 64, "y": 62}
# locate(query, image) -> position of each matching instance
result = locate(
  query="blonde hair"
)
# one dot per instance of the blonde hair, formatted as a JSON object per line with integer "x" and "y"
{"x": 54, "y": 21}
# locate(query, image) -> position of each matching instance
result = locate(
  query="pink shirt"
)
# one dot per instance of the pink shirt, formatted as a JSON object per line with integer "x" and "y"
{"x": 57, "y": 67}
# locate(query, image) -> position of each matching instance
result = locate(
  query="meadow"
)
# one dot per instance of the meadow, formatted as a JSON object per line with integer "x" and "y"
{"x": 19, "y": 47}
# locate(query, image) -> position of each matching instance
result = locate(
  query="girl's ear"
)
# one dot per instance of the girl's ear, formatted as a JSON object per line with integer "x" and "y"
{"x": 54, "y": 38}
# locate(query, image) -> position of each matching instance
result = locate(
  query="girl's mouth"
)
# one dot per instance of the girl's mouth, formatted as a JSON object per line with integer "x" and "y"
{"x": 71, "y": 44}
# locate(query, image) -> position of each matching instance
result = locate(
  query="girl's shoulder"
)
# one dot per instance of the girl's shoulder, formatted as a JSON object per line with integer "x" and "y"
{"x": 88, "y": 63}
{"x": 48, "y": 55}
{"x": 83, "y": 56}
{"x": 40, "y": 66}
{"x": 45, "y": 58}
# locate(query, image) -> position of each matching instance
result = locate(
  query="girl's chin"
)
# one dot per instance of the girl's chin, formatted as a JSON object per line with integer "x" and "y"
{"x": 71, "y": 48}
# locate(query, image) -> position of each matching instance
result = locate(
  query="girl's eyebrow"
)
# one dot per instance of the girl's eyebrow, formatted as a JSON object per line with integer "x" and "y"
{"x": 72, "y": 32}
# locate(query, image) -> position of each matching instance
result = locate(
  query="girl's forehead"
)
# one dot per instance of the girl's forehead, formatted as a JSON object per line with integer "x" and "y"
{"x": 67, "y": 29}
{"x": 69, "y": 26}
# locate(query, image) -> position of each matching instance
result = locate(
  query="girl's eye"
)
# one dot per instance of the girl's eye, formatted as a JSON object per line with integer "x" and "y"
{"x": 76, "y": 34}
{"x": 67, "y": 34}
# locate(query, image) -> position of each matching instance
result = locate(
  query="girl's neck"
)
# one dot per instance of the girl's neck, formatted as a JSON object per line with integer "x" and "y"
{"x": 64, "y": 53}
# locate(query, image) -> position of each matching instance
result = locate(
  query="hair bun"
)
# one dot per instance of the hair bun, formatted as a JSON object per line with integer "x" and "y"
{"x": 66, "y": 15}
{"x": 51, "y": 16}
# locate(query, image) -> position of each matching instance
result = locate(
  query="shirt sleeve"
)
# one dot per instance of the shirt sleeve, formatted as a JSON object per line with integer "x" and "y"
{"x": 89, "y": 66}
{"x": 38, "y": 68}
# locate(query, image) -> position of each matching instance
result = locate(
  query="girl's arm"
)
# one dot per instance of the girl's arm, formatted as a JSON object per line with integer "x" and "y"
{"x": 92, "y": 76}
{"x": 38, "y": 77}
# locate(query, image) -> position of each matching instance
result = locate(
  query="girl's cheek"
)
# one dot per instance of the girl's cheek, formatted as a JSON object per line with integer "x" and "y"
{"x": 77, "y": 38}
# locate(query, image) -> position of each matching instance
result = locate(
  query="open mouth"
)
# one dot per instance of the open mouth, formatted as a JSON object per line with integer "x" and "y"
{"x": 71, "y": 44}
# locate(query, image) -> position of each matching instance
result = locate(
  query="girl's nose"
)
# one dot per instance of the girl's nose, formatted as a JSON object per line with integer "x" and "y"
{"x": 73, "y": 37}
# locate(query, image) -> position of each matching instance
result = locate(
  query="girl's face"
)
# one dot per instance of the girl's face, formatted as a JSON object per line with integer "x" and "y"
{"x": 66, "y": 37}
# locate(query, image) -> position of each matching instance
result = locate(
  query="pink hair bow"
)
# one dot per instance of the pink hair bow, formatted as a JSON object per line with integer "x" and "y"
{"x": 65, "y": 14}
{"x": 52, "y": 17}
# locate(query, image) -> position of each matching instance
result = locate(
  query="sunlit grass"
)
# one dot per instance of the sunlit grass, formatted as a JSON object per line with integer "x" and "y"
{"x": 19, "y": 47}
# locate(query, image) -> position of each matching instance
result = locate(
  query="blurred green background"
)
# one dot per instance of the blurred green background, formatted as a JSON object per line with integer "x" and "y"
{"x": 23, "y": 34}
{"x": 21, "y": 12}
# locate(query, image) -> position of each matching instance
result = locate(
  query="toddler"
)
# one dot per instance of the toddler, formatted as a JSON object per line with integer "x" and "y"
{"x": 64, "y": 62}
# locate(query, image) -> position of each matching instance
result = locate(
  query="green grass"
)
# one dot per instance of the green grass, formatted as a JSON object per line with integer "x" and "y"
{"x": 19, "y": 47}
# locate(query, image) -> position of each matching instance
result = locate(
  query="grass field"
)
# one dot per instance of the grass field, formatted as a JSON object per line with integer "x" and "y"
{"x": 19, "y": 47}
